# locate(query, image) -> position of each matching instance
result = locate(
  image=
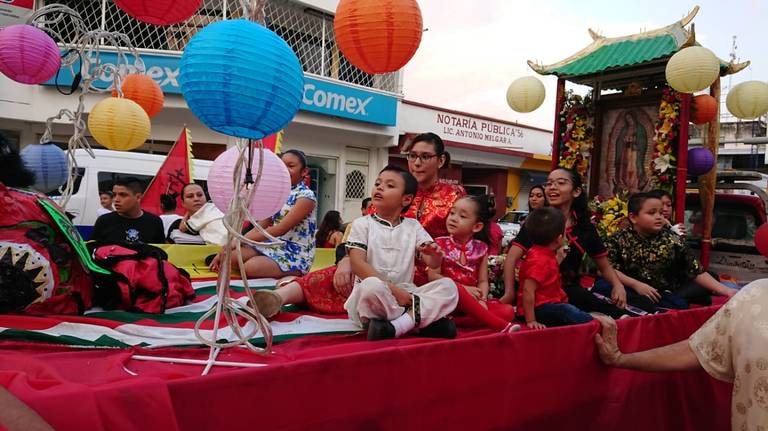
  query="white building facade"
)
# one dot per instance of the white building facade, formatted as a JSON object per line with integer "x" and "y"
{"x": 346, "y": 122}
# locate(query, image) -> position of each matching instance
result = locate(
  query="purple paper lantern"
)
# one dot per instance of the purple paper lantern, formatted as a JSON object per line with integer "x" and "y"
{"x": 49, "y": 164}
{"x": 27, "y": 54}
{"x": 700, "y": 161}
{"x": 270, "y": 196}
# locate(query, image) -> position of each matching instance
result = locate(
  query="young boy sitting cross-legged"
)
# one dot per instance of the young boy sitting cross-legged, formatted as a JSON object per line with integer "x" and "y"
{"x": 382, "y": 250}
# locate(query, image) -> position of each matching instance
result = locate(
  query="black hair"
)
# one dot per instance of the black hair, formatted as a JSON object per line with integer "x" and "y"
{"x": 107, "y": 192}
{"x": 637, "y": 200}
{"x": 299, "y": 155}
{"x": 485, "y": 209}
{"x": 131, "y": 183}
{"x": 331, "y": 222}
{"x": 662, "y": 193}
{"x": 168, "y": 202}
{"x": 411, "y": 185}
{"x": 366, "y": 201}
{"x": 544, "y": 225}
{"x": 580, "y": 204}
{"x": 543, "y": 192}
{"x": 13, "y": 173}
{"x": 436, "y": 141}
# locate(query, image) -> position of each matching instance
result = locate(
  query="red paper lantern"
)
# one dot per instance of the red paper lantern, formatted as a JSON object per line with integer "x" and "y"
{"x": 704, "y": 109}
{"x": 761, "y": 239}
{"x": 378, "y": 36}
{"x": 159, "y": 12}
{"x": 143, "y": 90}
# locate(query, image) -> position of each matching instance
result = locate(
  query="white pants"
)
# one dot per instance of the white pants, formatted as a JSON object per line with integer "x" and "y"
{"x": 372, "y": 299}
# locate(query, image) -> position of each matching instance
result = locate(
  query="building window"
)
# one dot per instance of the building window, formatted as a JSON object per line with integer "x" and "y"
{"x": 355, "y": 185}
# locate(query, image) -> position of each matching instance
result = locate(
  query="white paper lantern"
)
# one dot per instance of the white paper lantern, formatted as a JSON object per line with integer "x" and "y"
{"x": 692, "y": 69}
{"x": 748, "y": 100}
{"x": 525, "y": 94}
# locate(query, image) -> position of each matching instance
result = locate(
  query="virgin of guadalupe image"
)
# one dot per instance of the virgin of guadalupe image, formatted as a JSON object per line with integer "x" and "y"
{"x": 631, "y": 146}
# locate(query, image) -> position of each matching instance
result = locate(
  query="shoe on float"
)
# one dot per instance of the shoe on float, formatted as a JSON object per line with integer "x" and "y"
{"x": 268, "y": 302}
{"x": 380, "y": 330}
{"x": 443, "y": 328}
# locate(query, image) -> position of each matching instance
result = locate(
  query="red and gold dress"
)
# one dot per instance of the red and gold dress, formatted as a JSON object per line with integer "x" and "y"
{"x": 430, "y": 207}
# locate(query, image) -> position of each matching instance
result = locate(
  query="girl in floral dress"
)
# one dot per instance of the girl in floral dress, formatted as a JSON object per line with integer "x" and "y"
{"x": 466, "y": 263}
{"x": 295, "y": 224}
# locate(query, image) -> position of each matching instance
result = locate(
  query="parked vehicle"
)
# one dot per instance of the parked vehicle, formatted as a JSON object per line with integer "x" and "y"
{"x": 740, "y": 208}
{"x": 98, "y": 174}
{"x": 511, "y": 221}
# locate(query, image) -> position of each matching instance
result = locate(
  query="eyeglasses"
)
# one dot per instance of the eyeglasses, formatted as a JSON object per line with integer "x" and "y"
{"x": 412, "y": 157}
{"x": 560, "y": 182}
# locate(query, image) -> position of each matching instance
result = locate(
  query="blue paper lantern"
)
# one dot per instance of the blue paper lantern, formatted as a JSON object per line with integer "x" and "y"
{"x": 49, "y": 164}
{"x": 700, "y": 161}
{"x": 241, "y": 79}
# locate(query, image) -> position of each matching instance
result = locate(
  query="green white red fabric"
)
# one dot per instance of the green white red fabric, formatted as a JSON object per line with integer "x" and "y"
{"x": 100, "y": 328}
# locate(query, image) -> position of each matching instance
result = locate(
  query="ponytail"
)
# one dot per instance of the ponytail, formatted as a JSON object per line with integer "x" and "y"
{"x": 486, "y": 209}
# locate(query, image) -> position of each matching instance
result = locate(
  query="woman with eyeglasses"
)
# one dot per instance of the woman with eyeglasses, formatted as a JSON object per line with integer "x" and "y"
{"x": 565, "y": 192}
{"x": 325, "y": 291}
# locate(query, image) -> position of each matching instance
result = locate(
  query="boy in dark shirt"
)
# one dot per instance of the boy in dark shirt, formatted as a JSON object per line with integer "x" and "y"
{"x": 128, "y": 223}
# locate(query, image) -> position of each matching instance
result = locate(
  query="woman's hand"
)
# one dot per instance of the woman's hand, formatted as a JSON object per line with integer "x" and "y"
{"x": 607, "y": 346}
{"x": 474, "y": 291}
{"x": 535, "y": 325}
{"x": 647, "y": 290}
{"x": 215, "y": 265}
{"x": 183, "y": 225}
{"x": 619, "y": 295}
{"x": 343, "y": 278}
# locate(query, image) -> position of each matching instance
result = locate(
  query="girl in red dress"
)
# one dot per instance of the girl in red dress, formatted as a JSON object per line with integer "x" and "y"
{"x": 466, "y": 263}
{"x": 325, "y": 291}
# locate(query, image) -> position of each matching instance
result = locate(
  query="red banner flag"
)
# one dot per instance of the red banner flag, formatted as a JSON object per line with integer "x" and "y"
{"x": 175, "y": 171}
{"x": 274, "y": 142}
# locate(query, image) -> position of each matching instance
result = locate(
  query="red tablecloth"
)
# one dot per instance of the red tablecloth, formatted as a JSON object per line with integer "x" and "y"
{"x": 531, "y": 380}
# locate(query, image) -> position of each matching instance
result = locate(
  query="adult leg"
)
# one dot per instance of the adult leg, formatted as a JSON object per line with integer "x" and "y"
{"x": 263, "y": 267}
{"x": 586, "y": 301}
{"x": 560, "y": 315}
{"x": 246, "y": 251}
{"x": 476, "y": 315}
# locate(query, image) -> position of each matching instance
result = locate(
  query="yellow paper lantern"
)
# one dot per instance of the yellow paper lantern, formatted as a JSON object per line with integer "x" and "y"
{"x": 748, "y": 100}
{"x": 692, "y": 69}
{"x": 119, "y": 124}
{"x": 525, "y": 94}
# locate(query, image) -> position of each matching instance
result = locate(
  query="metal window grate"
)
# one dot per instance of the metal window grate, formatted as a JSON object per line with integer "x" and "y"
{"x": 355, "y": 185}
{"x": 309, "y": 32}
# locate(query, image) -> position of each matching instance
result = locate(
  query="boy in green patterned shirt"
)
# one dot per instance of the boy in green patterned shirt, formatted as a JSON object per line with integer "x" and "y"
{"x": 656, "y": 266}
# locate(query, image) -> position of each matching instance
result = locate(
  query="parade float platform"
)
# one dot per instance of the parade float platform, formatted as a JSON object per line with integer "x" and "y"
{"x": 79, "y": 373}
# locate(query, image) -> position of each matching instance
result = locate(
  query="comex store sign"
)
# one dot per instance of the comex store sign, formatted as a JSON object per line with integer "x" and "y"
{"x": 320, "y": 96}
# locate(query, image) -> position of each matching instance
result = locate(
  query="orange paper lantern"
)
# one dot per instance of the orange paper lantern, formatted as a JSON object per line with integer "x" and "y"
{"x": 378, "y": 36}
{"x": 143, "y": 90}
{"x": 704, "y": 109}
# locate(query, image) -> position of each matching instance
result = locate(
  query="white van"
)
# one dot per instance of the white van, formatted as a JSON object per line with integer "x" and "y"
{"x": 98, "y": 174}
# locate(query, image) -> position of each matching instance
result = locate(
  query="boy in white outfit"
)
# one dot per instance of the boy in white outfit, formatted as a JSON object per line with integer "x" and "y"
{"x": 382, "y": 250}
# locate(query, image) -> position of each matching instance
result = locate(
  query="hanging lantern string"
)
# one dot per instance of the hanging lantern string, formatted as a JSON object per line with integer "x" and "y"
{"x": 83, "y": 58}
{"x": 227, "y": 306}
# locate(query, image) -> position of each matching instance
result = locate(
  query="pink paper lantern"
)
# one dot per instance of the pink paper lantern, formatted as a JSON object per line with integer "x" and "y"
{"x": 28, "y": 55}
{"x": 271, "y": 194}
{"x": 159, "y": 12}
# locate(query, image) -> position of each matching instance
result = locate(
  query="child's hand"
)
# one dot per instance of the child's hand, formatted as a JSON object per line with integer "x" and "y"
{"x": 535, "y": 325}
{"x": 561, "y": 253}
{"x": 646, "y": 290}
{"x": 431, "y": 249}
{"x": 619, "y": 296}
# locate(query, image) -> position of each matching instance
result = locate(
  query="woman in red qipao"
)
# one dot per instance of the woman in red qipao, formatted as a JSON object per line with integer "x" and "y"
{"x": 326, "y": 290}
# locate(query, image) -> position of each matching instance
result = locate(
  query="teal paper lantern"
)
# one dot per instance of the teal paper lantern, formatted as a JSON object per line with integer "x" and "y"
{"x": 241, "y": 79}
{"x": 49, "y": 164}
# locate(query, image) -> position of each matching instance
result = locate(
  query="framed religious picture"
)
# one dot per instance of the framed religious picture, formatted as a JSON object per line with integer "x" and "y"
{"x": 626, "y": 148}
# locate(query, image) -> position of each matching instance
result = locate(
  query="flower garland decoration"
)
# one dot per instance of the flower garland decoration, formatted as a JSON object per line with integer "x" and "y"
{"x": 665, "y": 141}
{"x": 577, "y": 130}
{"x": 610, "y": 215}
